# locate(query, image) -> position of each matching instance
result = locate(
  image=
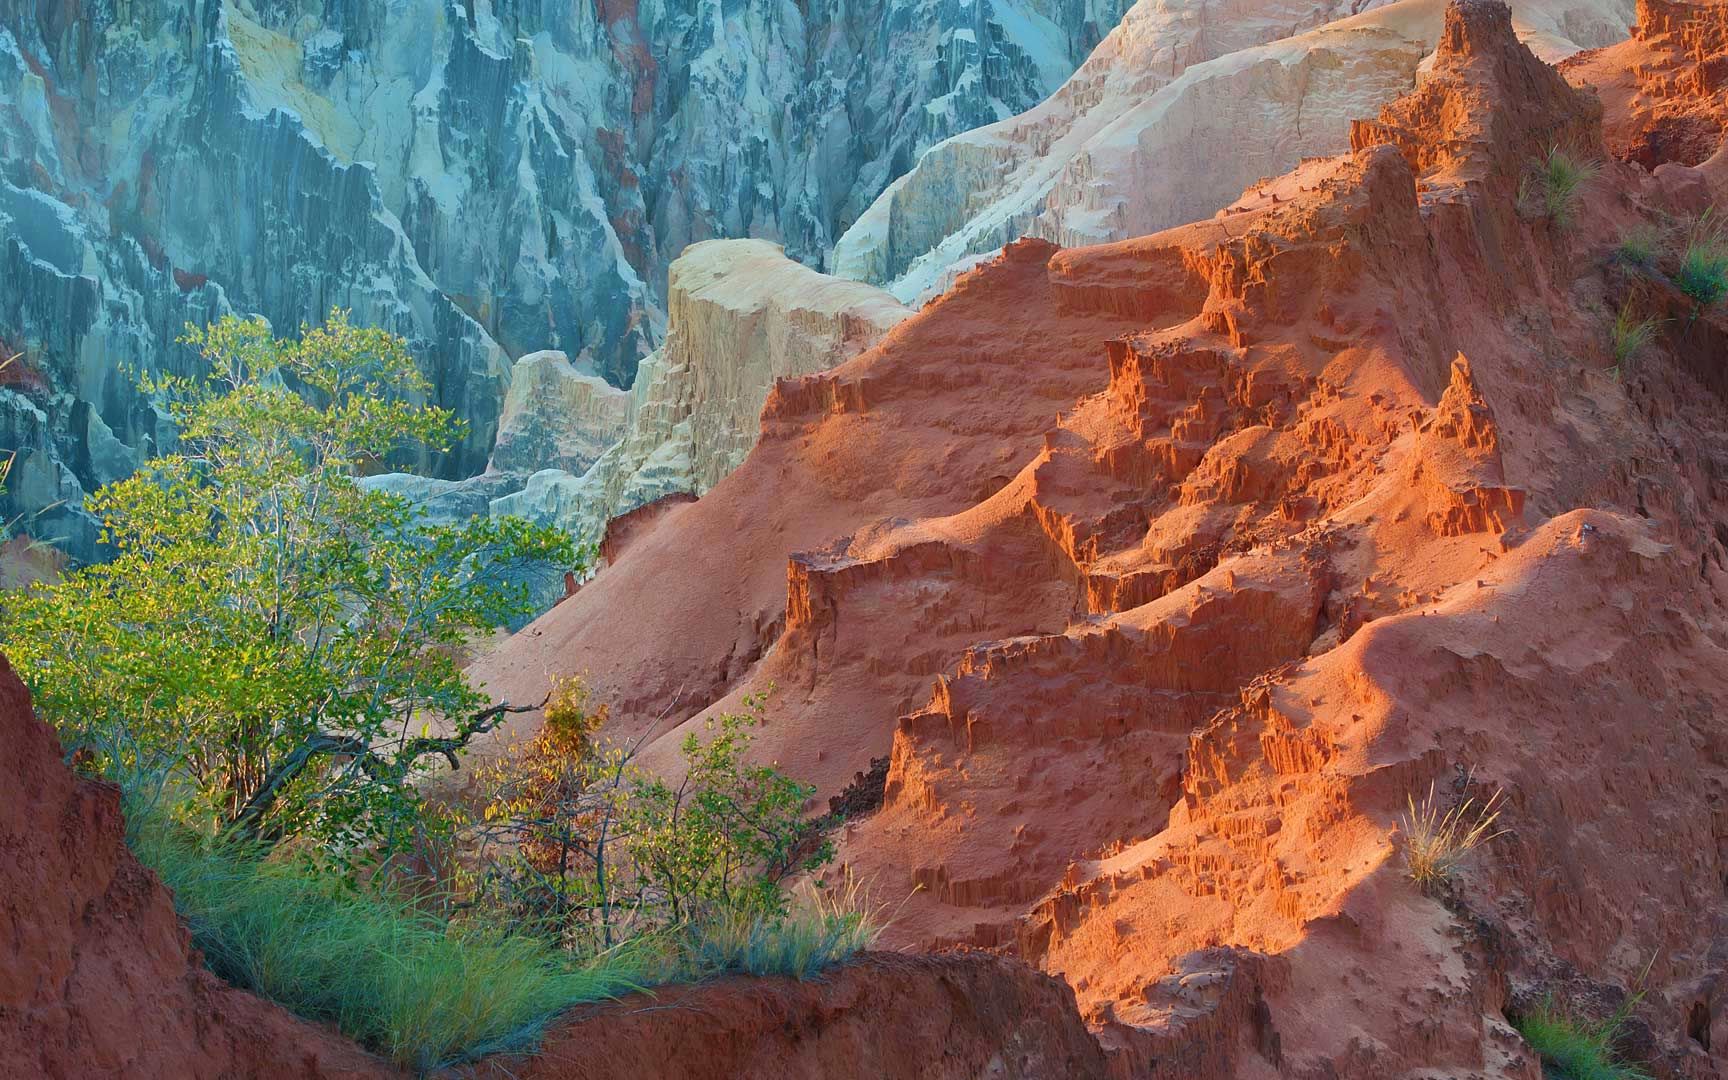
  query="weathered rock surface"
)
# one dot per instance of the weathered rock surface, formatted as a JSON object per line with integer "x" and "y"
{"x": 489, "y": 179}
{"x": 1166, "y": 570}
{"x": 742, "y": 315}
{"x": 883, "y": 1016}
{"x": 1666, "y": 87}
{"x": 97, "y": 976}
{"x": 1177, "y": 110}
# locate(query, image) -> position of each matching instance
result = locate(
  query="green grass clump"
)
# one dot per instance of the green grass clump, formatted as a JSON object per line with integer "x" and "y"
{"x": 821, "y": 926}
{"x": 1703, "y": 273}
{"x": 1575, "y": 1049}
{"x": 1629, "y": 336}
{"x": 1562, "y": 179}
{"x": 1640, "y": 246}
{"x": 389, "y": 975}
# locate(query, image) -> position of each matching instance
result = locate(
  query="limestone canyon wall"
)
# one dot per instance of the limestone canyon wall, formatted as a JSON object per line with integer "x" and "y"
{"x": 489, "y": 178}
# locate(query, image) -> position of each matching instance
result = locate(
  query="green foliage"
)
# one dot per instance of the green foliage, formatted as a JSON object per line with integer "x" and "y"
{"x": 821, "y": 926}
{"x": 281, "y": 636}
{"x": 1629, "y": 336}
{"x": 725, "y": 835}
{"x": 384, "y": 971}
{"x": 1639, "y": 246}
{"x": 1703, "y": 272}
{"x": 1561, "y": 179}
{"x": 593, "y": 850}
{"x": 1574, "y": 1048}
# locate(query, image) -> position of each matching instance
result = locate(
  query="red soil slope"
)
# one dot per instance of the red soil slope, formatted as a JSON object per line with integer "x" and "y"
{"x": 886, "y": 1017}
{"x": 1168, "y": 569}
{"x": 97, "y": 978}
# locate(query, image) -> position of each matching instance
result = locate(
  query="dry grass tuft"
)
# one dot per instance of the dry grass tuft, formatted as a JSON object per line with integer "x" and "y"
{"x": 1437, "y": 841}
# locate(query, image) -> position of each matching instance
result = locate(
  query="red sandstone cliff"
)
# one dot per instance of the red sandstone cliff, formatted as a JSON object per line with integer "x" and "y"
{"x": 97, "y": 977}
{"x": 1167, "y": 569}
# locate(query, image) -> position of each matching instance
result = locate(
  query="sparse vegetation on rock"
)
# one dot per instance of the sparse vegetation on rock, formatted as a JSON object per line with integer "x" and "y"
{"x": 1559, "y": 182}
{"x": 1437, "y": 841}
{"x": 1703, "y": 271}
{"x": 1573, "y": 1048}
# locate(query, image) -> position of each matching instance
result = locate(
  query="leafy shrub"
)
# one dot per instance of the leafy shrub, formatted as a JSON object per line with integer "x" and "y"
{"x": 589, "y": 848}
{"x": 1560, "y": 180}
{"x": 1703, "y": 272}
{"x": 287, "y": 636}
{"x": 1436, "y": 841}
{"x": 1576, "y": 1049}
{"x": 382, "y": 969}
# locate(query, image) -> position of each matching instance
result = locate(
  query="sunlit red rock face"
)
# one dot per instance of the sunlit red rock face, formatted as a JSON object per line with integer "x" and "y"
{"x": 97, "y": 978}
{"x": 1167, "y": 570}
{"x": 1667, "y": 87}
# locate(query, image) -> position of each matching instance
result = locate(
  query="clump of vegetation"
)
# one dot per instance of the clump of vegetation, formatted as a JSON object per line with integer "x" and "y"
{"x": 1703, "y": 271}
{"x": 275, "y": 644}
{"x": 1576, "y": 1049}
{"x": 1629, "y": 336}
{"x": 278, "y": 635}
{"x": 586, "y": 847}
{"x": 1437, "y": 841}
{"x": 375, "y": 963}
{"x": 1560, "y": 180}
{"x": 1640, "y": 246}
{"x": 821, "y": 926}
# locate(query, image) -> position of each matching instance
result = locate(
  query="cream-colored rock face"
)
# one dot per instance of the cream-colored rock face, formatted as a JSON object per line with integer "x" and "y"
{"x": 741, "y": 316}
{"x": 1176, "y": 112}
{"x": 557, "y": 417}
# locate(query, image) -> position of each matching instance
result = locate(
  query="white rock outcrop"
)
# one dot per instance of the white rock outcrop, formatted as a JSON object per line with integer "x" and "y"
{"x": 1179, "y": 109}
{"x": 742, "y": 315}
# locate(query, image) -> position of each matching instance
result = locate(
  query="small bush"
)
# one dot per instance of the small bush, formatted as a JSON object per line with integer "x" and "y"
{"x": 1561, "y": 179}
{"x": 386, "y": 972}
{"x": 1436, "y": 841}
{"x": 1703, "y": 273}
{"x": 821, "y": 926}
{"x": 1577, "y": 1049}
{"x": 1629, "y": 336}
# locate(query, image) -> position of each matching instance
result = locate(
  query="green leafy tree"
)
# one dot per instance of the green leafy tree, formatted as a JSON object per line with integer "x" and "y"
{"x": 279, "y": 637}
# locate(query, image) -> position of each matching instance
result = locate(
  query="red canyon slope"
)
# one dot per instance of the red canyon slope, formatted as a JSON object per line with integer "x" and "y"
{"x": 1166, "y": 570}
{"x": 97, "y": 977}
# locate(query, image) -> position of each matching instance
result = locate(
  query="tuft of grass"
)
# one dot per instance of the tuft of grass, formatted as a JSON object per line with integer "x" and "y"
{"x": 1703, "y": 272}
{"x": 1437, "y": 841}
{"x": 1629, "y": 336}
{"x": 1576, "y": 1049}
{"x": 388, "y": 974}
{"x": 821, "y": 926}
{"x": 1562, "y": 178}
{"x": 1640, "y": 246}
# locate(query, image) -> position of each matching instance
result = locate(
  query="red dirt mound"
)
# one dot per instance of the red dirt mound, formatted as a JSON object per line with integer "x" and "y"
{"x": 883, "y": 1016}
{"x": 1170, "y": 569}
{"x": 97, "y": 976}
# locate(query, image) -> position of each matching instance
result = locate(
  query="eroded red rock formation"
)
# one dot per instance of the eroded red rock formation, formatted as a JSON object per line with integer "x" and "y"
{"x": 1170, "y": 569}
{"x": 97, "y": 976}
